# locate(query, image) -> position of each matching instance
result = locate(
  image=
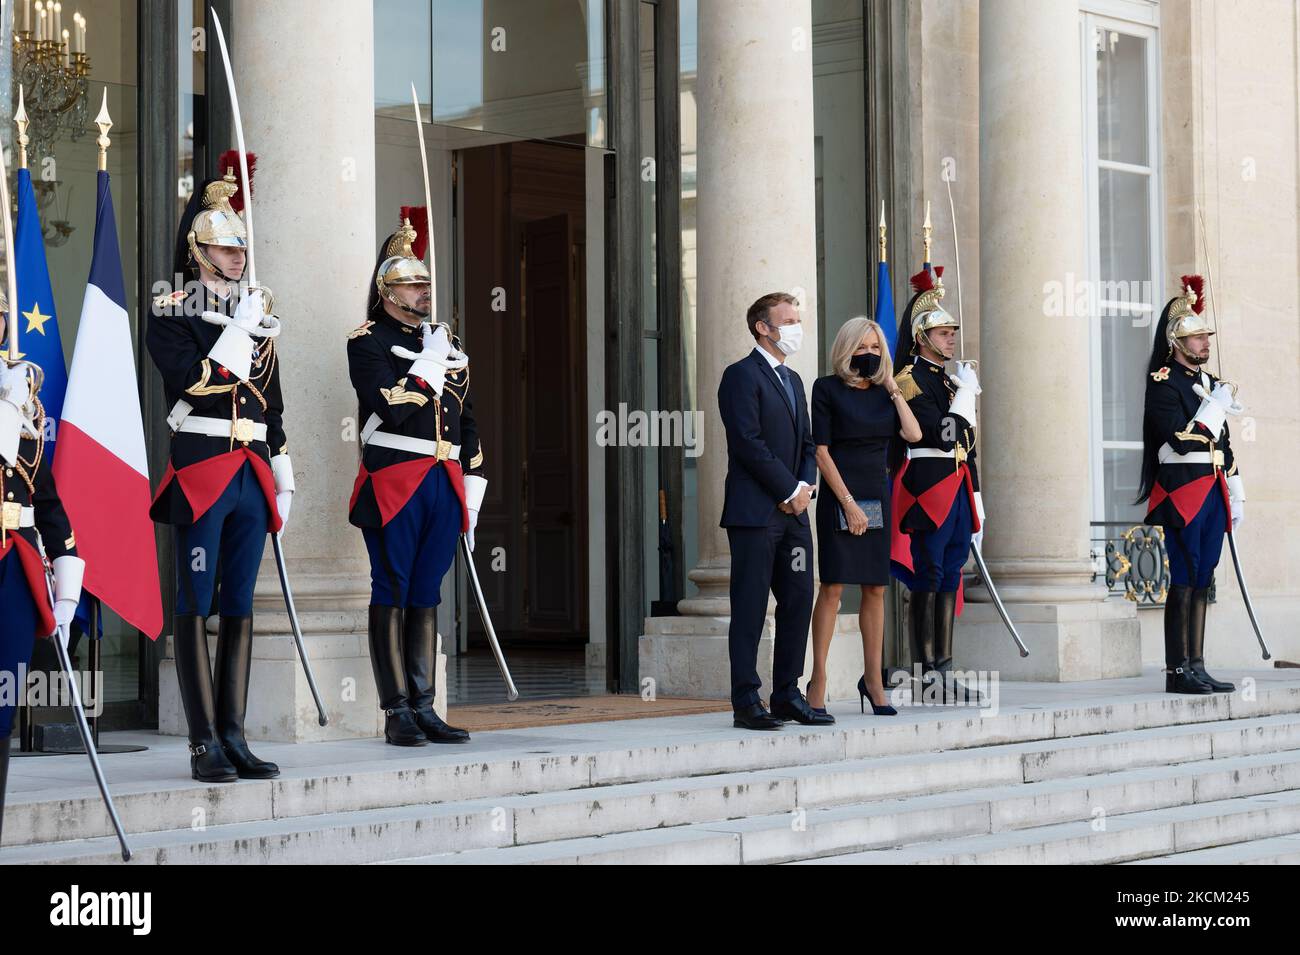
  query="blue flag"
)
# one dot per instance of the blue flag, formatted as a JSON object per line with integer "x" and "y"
{"x": 885, "y": 317}
{"x": 38, "y": 327}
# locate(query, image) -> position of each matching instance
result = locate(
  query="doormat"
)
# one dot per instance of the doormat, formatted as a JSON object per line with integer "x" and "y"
{"x": 578, "y": 709}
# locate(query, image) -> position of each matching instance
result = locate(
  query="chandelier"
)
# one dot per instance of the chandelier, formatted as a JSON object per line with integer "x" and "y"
{"x": 52, "y": 69}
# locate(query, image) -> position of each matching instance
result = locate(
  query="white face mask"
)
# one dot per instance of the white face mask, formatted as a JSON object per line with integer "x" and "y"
{"x": 790, "y": 340}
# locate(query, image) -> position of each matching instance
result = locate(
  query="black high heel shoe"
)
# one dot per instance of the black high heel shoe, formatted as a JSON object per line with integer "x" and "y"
{"x": 885, "y": 710}
{"x": 819, "y": 711}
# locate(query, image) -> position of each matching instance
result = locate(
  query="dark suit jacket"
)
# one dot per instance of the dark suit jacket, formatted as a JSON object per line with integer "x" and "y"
{"x": 769, "y": 448}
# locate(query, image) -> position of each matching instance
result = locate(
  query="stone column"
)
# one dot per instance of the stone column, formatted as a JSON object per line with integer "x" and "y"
{"x": 756, "y": 234}
{"x": 305, "y": 77}
{"x": 1034, "y": 438}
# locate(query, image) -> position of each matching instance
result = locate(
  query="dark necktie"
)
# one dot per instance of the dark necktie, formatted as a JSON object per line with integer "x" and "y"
{"x": 784, "y": 374}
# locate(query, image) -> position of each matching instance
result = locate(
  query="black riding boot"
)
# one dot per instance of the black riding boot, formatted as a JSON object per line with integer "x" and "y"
{"x": 4, "y": 781}
{"x": 421, "y": 671}
{"x": 208, "y": 760}
{"x": 234, "y": 664}
{"x": 1179, "y": 677}
{"x": 945, "y": 615}
{"x": 922, "y": 638}
{"x": 400, "y": 727}
{"x": 1196, "y": 641}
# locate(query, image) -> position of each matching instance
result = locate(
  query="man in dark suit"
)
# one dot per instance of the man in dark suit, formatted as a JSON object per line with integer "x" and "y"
{"x": 771, "y": 470}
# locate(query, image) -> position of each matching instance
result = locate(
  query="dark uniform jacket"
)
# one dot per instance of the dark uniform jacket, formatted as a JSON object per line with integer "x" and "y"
{"x": 926, "y": 487}
{"x": 30, "y": 483}
{"x": 201, "y": 466}
{"x": 405, "y": 405}
{"x": 769, "y": 445}
{"x": 1181, "y": 489}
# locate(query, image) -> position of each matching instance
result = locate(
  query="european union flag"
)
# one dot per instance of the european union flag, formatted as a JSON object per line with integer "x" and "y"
{"x": 885, "y": 316}
{"x": 38, "y": 327}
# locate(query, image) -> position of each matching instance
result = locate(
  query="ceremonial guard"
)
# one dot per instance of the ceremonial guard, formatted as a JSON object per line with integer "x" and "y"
{"x": 30, "y": 506}
{"x": 420, "y": 482}
{"x": 229, "y": 479}
{"x": 1189, "y": 478}
{"x": 936, "y": 500}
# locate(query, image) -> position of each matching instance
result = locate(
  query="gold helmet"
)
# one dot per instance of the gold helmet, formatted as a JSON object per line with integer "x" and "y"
{"x": 1185, "y": 318}
{"x": 926, "y": 312}
{"x": 401, "y": 267}
{"x": 217, "y": 223}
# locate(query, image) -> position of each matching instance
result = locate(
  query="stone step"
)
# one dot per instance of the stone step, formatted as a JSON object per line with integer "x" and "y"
{"x": 550, "y": 822}
{"x": 800, "y": 832}
{"x": 1279, "y": 850}
{"x": 1156, "y": 832}
{"x": 566, "y": 805}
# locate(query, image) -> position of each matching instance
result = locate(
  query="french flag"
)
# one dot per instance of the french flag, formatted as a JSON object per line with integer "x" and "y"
{"x": 100, "y": 467}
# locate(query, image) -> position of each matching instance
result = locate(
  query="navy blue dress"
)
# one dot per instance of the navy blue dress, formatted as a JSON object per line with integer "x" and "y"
{"x": 856, "y": 424}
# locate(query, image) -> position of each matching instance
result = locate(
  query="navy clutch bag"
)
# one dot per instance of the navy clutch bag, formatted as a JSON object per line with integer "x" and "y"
{"x": 872, "y": 508}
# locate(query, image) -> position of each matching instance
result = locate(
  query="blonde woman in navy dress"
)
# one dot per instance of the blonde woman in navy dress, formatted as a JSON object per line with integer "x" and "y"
{"x": 856, "y": 411}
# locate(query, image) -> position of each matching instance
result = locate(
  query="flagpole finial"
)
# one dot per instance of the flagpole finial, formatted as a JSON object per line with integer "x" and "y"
{"x": 21, "y": 121}
{"x": 105, "y": 123}
{"x": 880, "y": 231}
{"x": 926, "y": 229}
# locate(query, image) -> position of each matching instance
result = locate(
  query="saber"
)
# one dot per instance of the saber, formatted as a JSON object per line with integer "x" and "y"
{"x": 428, "y": 208}
{"x": 321, "y": 716}
{"x": 956, "y": 255}
{"x": 78, "y": 711}
{"x": 512, "y": 694}
{"x": 997, "y": 601}
{"x": 1245, "y": 595}
{"x": 243, "y": 153}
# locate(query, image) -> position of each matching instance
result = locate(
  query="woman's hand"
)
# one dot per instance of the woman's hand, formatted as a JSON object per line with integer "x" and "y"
{"x": 888, "y": 382}
{"x": 857, "y": 520}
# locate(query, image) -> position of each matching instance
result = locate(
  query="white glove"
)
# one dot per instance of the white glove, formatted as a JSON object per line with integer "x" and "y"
{"x": 15, "y": 391}
{"x": 978, "y": 537}
{"x": 1237, "y": 498}
{"x": 282, "y": 470}
{"x": 1215, "y": 407}
{"x": 968, "y": 386}
{"x": 475, "y": 489}
{"x": 431, "y": 365}
{"x": 965, "y": 377}
{"x": 234, "y": 350}
{"x": 68, "y": 573}
{"x": 283, "y": 501}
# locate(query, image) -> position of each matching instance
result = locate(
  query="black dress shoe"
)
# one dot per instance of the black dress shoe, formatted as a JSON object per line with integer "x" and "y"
{"x": 436, "y": 731}
{"x": 755, "y": 717}
{"x": 799, "y": 711}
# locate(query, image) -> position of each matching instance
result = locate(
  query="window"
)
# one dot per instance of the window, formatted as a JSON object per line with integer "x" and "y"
{"x": 1126, "y": 260}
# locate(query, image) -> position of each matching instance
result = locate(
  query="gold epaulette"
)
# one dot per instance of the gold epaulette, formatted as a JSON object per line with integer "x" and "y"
{"x": 364, "y": 329}
{"x": 906, "y": 384}
{"x": 169, "y": 300}
{"x": 1160, "y": 374}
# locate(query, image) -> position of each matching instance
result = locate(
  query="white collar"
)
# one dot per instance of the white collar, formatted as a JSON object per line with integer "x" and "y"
{"x": 766, "y": 354}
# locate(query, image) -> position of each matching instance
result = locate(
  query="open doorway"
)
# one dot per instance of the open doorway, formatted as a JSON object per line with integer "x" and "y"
{"x": 522, "y": 235}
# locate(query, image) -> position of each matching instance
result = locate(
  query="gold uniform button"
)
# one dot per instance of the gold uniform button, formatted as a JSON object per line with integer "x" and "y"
{"x": 243, "y": 401}
{"x": 9, "y": 472}
{"x": 10, "y": 495}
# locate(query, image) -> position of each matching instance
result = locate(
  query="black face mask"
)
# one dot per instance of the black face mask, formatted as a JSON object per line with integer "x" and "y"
{"x": 865, "y": 365}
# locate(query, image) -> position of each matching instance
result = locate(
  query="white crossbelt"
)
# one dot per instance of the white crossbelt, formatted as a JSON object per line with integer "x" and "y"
{"x": 18, "y": 515}
{"x": 1167, "y": 455}
{"x": 442, "y": 450}
{"x": 244, "y": 429}
{"x": 930, "y": 453}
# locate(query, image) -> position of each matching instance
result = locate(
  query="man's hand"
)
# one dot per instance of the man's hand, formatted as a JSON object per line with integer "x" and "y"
{"x": 800, "y": 502}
